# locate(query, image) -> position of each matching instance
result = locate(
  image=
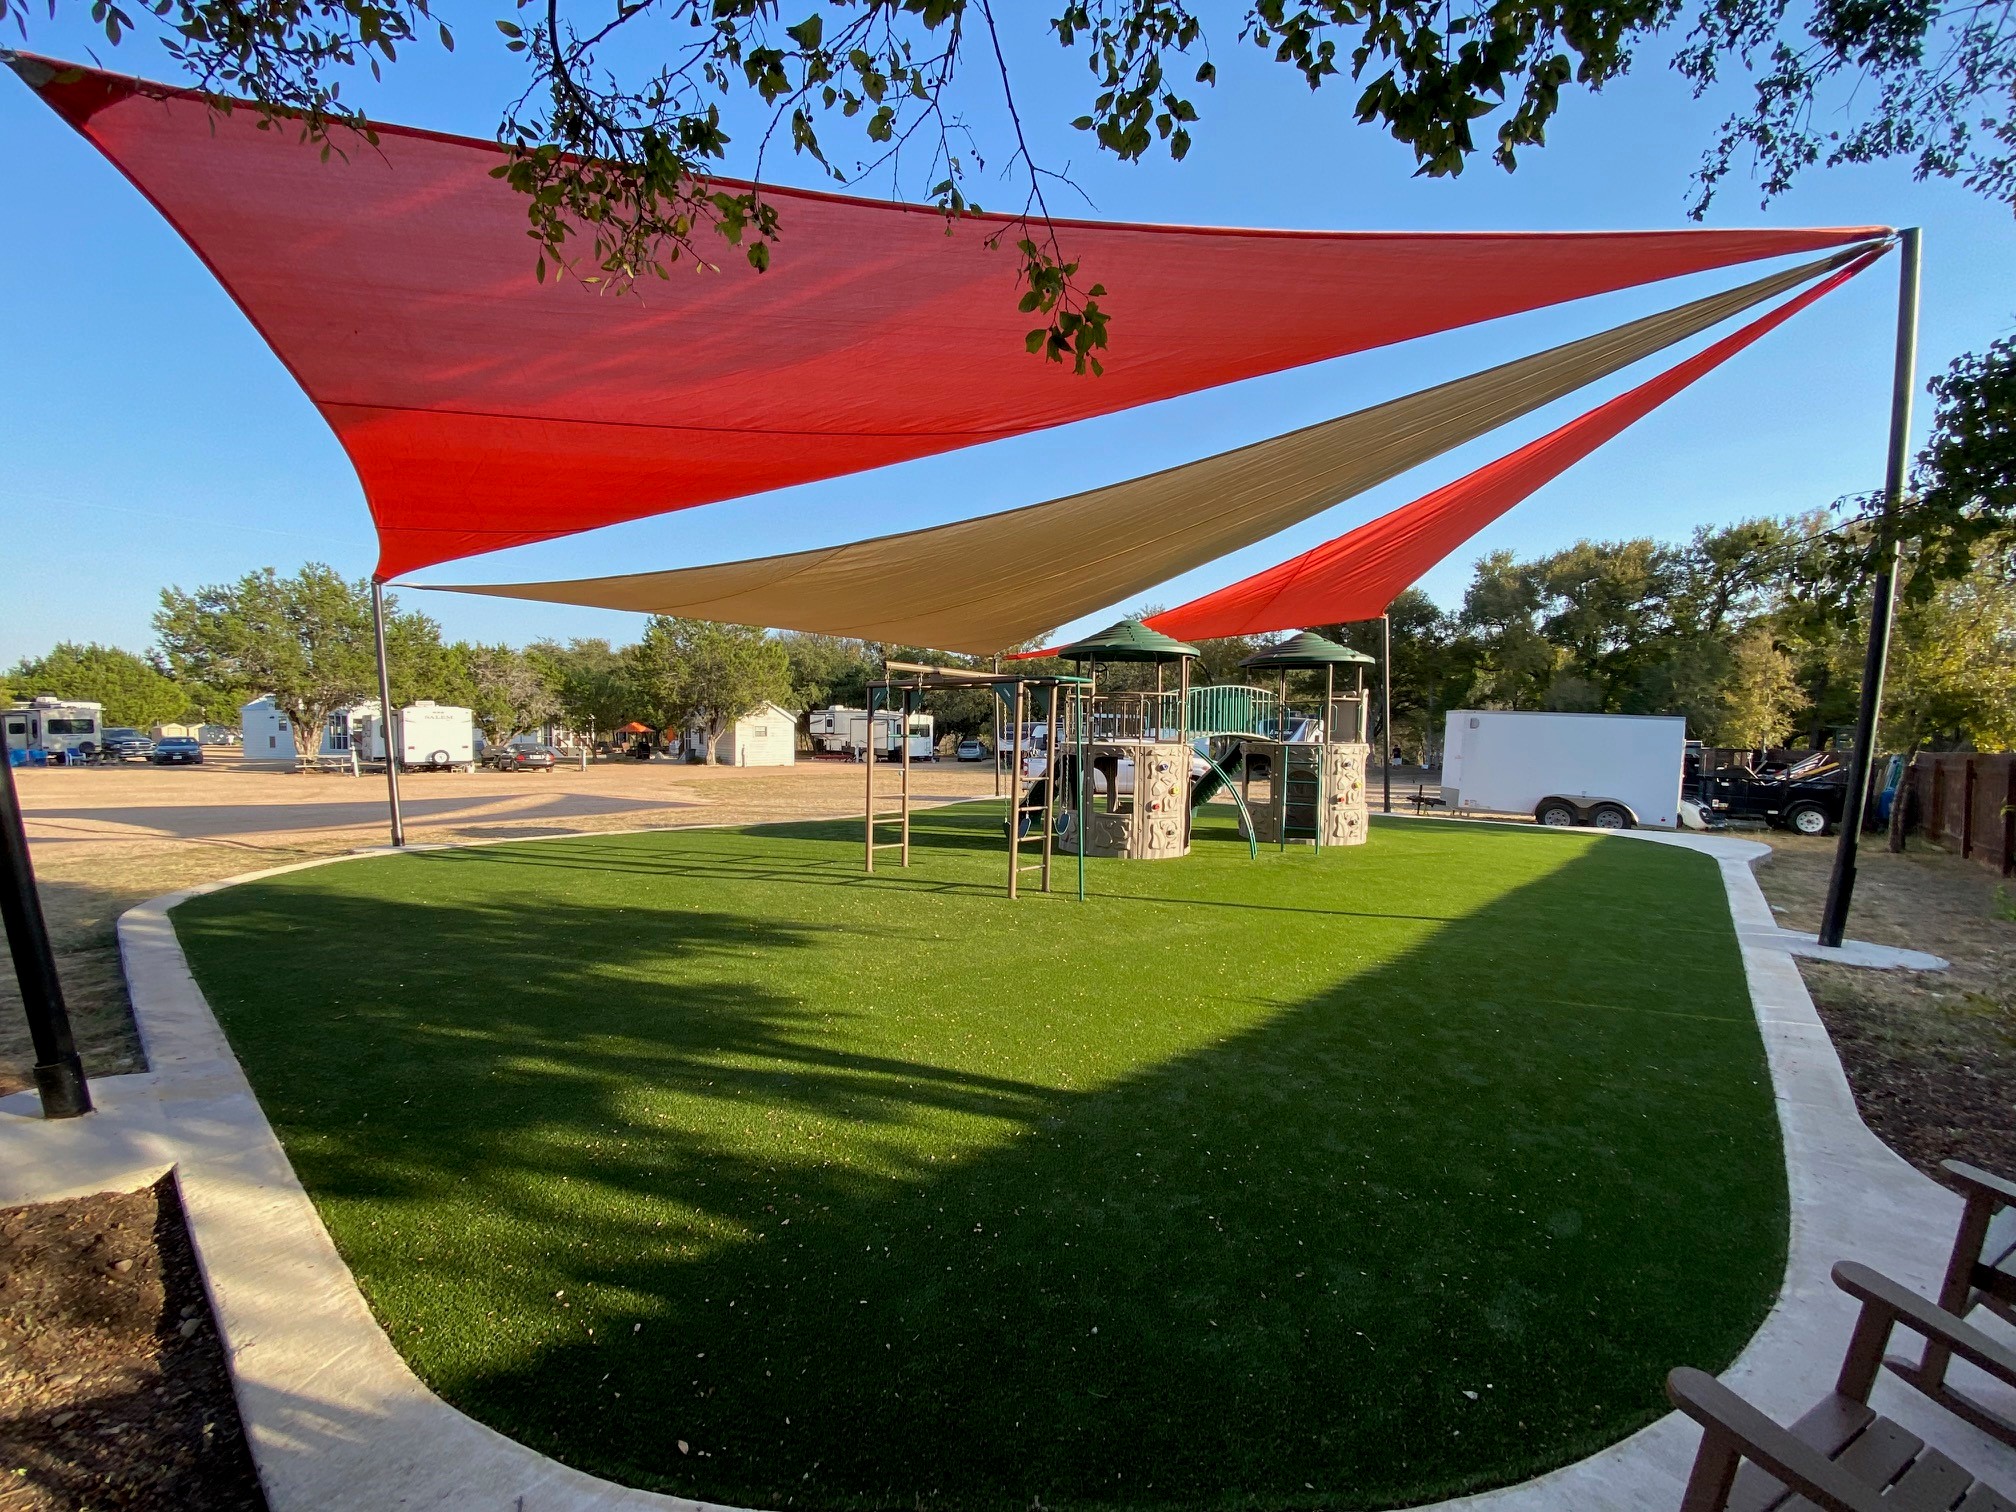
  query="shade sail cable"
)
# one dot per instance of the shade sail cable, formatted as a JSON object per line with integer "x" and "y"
{"x": 999, "y": 580}
{"x": 1359, "y": 574}
{"x": 482, "y": 409}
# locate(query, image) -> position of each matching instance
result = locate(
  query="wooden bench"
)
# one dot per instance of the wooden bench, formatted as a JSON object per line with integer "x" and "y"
{"x": 1981, "y": 1273}
{"x": 1842, "y": 1456}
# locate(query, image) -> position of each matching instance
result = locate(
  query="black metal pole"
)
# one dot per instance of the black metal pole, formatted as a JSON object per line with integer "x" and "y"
{"x": 1386, "y": 705}
{"x": 388, "y": 722}
{"x": 1882, "y": 599}
{"x": 59, "y": 1075}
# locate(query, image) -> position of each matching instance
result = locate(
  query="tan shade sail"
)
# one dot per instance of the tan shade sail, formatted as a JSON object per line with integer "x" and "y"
{"x": 985, "y": 584}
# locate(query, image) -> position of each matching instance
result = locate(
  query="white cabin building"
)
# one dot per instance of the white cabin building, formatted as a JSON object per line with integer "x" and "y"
{"x": 766, "y": 736}
{"x": 269, "y": 733}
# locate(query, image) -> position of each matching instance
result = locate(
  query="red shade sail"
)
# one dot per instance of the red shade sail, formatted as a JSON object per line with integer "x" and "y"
{"x": 1356, "y": 576}
{"x": 482, "y": 409}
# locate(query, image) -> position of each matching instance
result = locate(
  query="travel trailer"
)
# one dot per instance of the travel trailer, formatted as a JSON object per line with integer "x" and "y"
{"x": 844, "y": 732}
{"x": 56, "y": 724}
{"x": 432, "y": 737}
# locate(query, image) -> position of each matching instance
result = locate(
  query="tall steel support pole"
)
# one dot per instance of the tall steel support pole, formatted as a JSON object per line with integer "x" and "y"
{"x": 1386, "y": 705}
{"x": 388, "y": 722}
{"x": 59, "y": 1075}
{"x": 994, "y": 751}
{"x": 1882, "y": 599}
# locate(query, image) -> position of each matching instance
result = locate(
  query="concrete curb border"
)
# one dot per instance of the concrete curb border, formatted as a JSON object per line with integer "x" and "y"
{"x": 336, "y": 1418}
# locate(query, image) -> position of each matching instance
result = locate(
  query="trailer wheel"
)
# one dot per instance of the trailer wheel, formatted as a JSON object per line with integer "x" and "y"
{"x": 1556, "y": 814}
{"x": 1809, "y": 819}
{"x": 1610, "y": 816}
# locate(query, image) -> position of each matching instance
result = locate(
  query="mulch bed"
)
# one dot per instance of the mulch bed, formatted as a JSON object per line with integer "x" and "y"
{"x": 1926, "y": 1098}
{"x": 1931, "y": 1055}
{"x": 113, "y": 1390}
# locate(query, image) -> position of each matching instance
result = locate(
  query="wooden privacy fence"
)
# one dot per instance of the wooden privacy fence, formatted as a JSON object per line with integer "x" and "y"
{"x": 1967, "y": 802}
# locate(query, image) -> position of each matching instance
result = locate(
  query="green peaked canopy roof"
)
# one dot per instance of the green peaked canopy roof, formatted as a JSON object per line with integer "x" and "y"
{"x": 1127, "y": 641}
{"x": 1305, "y": 650}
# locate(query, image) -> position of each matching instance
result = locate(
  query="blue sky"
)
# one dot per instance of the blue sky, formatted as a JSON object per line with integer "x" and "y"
{"x": 152, "y": 439}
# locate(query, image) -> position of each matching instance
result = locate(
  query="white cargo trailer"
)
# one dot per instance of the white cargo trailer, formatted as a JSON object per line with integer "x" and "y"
{"x": 1612, "y": 771}
{"x": 432, "y": 737}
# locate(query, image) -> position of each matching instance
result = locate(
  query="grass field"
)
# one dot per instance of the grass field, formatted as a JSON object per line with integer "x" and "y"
{"x": 702, "y": 1161}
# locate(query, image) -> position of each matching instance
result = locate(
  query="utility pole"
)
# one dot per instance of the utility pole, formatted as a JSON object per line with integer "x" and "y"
{"x": 59, "y": 1074}
{"x": 1882, "y": 599}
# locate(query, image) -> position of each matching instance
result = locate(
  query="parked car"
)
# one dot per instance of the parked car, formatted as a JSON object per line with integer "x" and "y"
{"x": 122, "y": 743}
{"x": 524, "y": 759}
{"x": 972, "y": 750}
{"x": 176, "y": 750}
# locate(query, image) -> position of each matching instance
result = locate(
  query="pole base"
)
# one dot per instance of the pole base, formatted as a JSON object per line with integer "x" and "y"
{"x": 62, "y": 1088}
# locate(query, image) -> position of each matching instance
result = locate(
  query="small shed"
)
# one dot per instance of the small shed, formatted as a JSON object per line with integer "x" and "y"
{"x": 269, "y": 734}
{"x": 766, "y": 736}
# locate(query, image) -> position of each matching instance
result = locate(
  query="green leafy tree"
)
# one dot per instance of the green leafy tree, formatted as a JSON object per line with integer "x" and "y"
{"x": 827, "y": 670}
{"x": 305, "y": 639}
{"x": 590, "y": 679}
{"x": 1966, "y": 476}
{"x": 695, "y": 672}
{"x": 511, "y": 693}
{"x": 1952, "y": 678}
{"x": 1761, "y": 696}
{"x": 133, "y": 690}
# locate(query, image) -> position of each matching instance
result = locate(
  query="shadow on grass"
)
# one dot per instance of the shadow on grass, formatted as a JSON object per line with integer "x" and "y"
{"x": 1392, "y": 1235}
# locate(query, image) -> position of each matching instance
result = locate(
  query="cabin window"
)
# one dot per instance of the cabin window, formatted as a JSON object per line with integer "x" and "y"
{"x": 761, "y": 732}
{"x": 71, "y": 726}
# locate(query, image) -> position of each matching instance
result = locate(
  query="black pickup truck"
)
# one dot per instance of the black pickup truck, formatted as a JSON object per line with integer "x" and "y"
{"x": 1807, "y": 796}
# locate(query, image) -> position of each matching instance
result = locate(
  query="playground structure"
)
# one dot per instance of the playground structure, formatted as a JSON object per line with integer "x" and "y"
{"x": 1314, "y": 764}
{"x": 1132, "y": 746}
{"x": 1057, "y": 701}
{"x": 1119, "y": 773}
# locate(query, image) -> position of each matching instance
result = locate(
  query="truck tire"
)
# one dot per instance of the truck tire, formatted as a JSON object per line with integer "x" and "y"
{"x": 1610, "y": 816}
{"x": 1808, "y": 819}
{"x": 1556, "y": 813}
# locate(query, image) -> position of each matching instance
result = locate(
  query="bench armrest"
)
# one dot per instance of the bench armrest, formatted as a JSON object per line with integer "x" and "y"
{"x": 1725, "y": 1415}
{"x": 1926, "y": 1318}
{"x": 1976, "y": 1181}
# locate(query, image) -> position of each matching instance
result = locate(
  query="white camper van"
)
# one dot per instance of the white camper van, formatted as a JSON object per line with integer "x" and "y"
{"x": 56, "y": 724}
{"x": 1612, "y": 771}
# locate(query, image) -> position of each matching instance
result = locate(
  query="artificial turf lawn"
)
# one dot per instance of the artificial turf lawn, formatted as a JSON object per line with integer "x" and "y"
{"x": 705, "y": 1162}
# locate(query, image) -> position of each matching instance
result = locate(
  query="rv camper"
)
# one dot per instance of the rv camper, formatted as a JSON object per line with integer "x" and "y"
{"x": 56, "y": 724}
{"x": 845, "y": 732}
{"x": 432, "y": 737}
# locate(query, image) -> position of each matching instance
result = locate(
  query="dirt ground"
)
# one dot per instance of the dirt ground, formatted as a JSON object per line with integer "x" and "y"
{"x": 105, "y": 838}
{"x": 113, "y": 1390}
{"x": 1931, "y": 1054}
